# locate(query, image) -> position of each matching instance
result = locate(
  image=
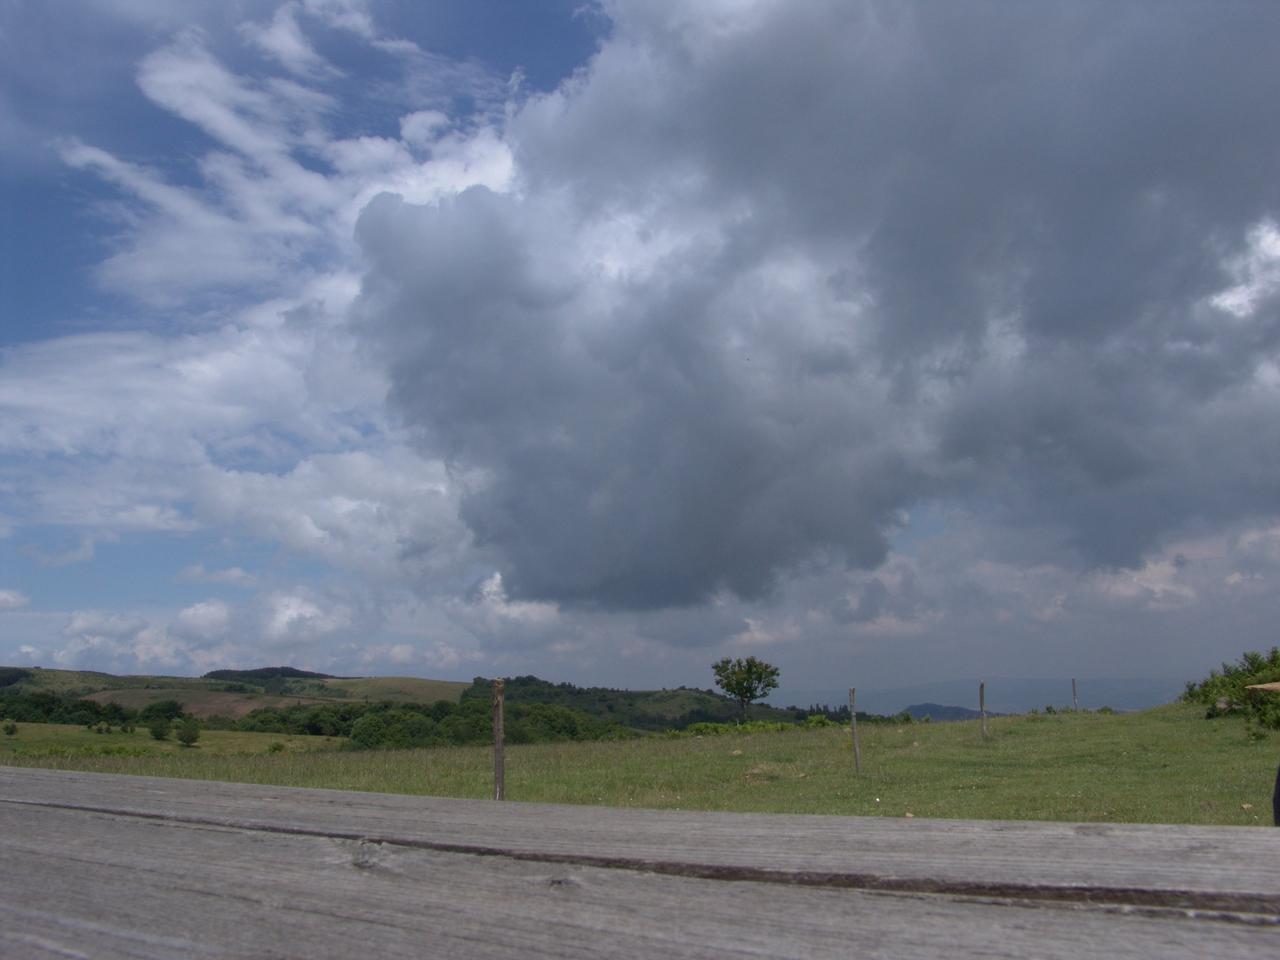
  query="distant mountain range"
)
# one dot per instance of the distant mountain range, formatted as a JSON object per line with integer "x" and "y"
{"x": 1004, "y": 694}
{"x": 937, "y": 712}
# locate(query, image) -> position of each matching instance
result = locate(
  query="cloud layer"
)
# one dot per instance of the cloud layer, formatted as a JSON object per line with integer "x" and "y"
{"x": 768, "y": 277}
{"x": 862, "y": 336}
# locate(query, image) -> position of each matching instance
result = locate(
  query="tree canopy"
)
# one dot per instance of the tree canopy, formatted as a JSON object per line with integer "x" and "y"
{"x": 745, "y": 680}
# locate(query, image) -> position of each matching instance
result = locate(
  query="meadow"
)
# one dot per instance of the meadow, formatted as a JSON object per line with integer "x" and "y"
{"x": 1166, "y": 765}
{"x": 44, "y": 743}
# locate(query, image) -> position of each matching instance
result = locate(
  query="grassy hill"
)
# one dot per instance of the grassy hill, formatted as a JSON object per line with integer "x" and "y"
{"x": 235, "y": 693}
{"x": 81, "y": 683}
{"x": 201, "y": 703}
{"x": 400, "y": 689}
{"x": 637, "y": 709}
{"x": 227, "y": 693}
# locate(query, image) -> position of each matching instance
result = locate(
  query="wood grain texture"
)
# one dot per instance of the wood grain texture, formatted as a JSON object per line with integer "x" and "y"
{"x": 106, "y": 866}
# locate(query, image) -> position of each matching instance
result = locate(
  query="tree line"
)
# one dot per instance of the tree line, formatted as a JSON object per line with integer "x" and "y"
{"x": 46, "y": 707}
{"x": 388, "y": 724}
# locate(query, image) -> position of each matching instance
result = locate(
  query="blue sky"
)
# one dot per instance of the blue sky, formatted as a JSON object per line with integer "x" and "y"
{"x": 601, "y": 340}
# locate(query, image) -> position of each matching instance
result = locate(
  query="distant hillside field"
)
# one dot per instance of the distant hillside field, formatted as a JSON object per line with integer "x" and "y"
{"x": 81, "y": 683}
{"x": 201, "y": 703}
{"x": 408, "y": 689}
{"x": 229, "y": 693}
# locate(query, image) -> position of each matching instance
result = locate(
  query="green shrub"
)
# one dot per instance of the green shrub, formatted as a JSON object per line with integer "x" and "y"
{"x": 1224, "y": 691}
{"x": 10, "y": 728}
{"x": 167, "y": 709}
{"x": 369, "y": 731}
{"x": 189, "y": 731}
{"x": 159, "y": 728}
{"x": 722, "y": 729}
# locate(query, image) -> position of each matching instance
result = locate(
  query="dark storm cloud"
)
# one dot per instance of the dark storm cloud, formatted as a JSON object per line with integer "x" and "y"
{"x": 768, "y": 278}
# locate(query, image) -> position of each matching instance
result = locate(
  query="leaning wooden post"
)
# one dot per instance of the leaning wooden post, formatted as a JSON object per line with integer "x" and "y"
{"x": 499, "y": 774}
{"x": 1075, "y": 701}
{"x": 982, "y": 706}
{"x": 853, "y": 726}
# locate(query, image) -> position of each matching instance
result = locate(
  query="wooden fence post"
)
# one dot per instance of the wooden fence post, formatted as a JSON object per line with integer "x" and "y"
{"x": 1075, "y": 700}
{"x": 1275, "y": 801}
{"x": 853, "y": 726}
{"x": 499, "y": 774}
{"x": 982, "y": 706}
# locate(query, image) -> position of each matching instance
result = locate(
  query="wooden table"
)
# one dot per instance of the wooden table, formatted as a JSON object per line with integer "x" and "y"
{"x": 103, "y": 866}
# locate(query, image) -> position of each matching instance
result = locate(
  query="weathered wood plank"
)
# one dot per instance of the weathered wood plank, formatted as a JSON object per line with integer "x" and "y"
{"x": 1103, "y": 861}
{"x": 81, "y": 884}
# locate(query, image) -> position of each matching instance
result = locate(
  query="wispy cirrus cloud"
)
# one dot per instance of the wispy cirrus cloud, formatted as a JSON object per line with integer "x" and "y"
{"x": 283, "y": 40}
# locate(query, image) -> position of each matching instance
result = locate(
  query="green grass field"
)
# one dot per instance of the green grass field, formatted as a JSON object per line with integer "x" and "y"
{"x": 1167, "y": 765}
{"x": 60, "y": 743}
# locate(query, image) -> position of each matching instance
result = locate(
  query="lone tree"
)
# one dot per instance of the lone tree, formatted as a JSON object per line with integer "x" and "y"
{"x": 745, "y": 680}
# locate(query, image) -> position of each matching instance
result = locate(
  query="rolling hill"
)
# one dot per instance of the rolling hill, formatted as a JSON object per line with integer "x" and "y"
{"x": 637, "y": 709}
{"x": 227, "y": 693}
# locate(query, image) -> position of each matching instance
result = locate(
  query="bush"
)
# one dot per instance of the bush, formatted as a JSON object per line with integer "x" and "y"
{"x": 1224, "y": 691}
{"x": 168, "y": 709}
{"x": 369, "y": 731}
{"x": 818, "y": 721}
{"x": 10, "y": 729}
{"x": 724, "y": 729}
{"x": 189, "y": 731}
{"x": 159, "y": 728}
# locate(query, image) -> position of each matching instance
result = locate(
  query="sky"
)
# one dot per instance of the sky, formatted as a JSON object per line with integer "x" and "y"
{"x": 892, "y": 343}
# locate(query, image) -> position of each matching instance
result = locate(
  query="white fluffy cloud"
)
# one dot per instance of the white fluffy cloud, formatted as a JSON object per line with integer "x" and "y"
{"x": 294, "y": 616}
{"x": 205, "y": 620}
